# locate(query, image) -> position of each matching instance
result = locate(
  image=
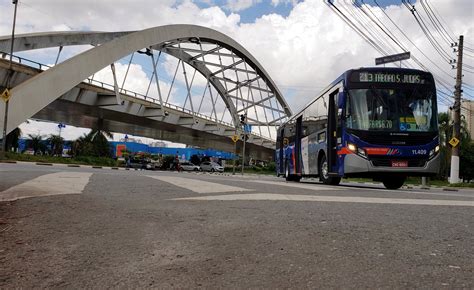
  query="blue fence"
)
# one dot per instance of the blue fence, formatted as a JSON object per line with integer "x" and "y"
{"x": 184, "y": 153}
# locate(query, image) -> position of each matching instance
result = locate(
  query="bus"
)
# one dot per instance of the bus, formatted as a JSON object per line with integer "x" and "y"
{"x": 378, "y": 123}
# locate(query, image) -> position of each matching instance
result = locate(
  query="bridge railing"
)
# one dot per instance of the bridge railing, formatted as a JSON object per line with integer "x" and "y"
{"x": 92, "y": 81}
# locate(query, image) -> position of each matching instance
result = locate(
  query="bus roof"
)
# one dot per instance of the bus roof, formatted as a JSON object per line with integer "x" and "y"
{"x": 345, "y": 77}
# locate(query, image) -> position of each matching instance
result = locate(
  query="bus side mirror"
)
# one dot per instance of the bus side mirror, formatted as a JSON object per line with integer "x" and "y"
{"x": 341, "y": 100}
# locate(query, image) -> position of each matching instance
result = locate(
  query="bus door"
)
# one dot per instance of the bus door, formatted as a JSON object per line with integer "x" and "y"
{"x": 281, "y": 164}
{"x": 298, "y": 136}
{"x": 334, "y": 132}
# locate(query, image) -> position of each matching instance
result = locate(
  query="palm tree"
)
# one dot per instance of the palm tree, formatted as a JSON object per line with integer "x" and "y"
{"x": 57, "y": 143}
{"x": 98, "y": 137}
{"x": 35, "y": 142}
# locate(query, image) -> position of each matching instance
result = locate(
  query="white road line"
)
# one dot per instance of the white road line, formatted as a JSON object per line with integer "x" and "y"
{"x": 198, "y": 186}
{"x": 313, "y": 186}
{"x": 348, "y": 199}
{"x": 48, "y": 184}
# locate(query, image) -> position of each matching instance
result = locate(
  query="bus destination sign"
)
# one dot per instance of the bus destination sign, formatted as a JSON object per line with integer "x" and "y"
{"x": 384, "y": 77}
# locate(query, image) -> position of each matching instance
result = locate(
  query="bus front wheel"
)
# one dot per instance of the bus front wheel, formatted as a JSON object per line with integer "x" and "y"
{"x": 394, "y": 182}
{"x": 323, "y": 170}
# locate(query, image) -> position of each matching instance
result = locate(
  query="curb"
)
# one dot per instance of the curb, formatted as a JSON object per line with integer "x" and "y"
{"x": 43, "y": 163}
{"x": 8, "y": 161}
{"x": 62, "y": 165}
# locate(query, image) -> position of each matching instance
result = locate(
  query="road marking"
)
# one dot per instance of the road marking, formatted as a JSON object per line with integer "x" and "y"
{"x": 48, "y": 184}
{"x": 348, "y": 199}
{"x": 312, "y": 186}
{"x": 198, "y": 186}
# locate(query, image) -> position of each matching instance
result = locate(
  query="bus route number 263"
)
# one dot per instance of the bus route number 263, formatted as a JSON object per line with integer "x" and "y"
{"x": 419, "y": 152}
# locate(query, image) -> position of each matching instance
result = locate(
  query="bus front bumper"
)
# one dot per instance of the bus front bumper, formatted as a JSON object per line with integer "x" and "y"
{"x": 356, "y": 165}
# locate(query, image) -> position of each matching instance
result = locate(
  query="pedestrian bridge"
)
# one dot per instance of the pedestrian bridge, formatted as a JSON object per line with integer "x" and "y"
{"x": 196, "y": 83}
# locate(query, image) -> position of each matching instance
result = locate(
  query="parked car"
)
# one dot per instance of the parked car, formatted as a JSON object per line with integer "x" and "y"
{"x": 211, "y": 166}
{"x": 188, "y": 166}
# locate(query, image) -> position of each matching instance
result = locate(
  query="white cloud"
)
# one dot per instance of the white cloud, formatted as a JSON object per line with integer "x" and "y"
{"x": 302, "y": 52}
{"x": 239, "y": 5}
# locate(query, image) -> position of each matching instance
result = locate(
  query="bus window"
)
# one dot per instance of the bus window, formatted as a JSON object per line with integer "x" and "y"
{"x": 322, "y": 137}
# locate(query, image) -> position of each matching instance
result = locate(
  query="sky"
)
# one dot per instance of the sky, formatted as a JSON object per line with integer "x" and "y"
{"x": 303, "y": 45}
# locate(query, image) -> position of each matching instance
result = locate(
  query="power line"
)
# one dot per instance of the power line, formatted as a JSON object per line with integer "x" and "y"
{"x": 437, "y": 24}
{"x": 445, "y": 24}
{"x": 426, "y": 31}
{"x": 412, "y": 43}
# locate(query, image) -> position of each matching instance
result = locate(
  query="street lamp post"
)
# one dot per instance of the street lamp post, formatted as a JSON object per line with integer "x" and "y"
{"x": 61, "y": 126}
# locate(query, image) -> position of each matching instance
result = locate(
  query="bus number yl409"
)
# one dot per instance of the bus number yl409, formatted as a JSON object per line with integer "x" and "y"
{"x": 419, "y": 152}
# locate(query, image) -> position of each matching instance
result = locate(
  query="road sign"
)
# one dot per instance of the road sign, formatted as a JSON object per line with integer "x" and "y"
{"x": 235, "y": 138}
{"x": 247, "y": 128}
{"x": 392, "y": 58}
{"x": 6, "y": 95}
{"x": 454, "y": 142}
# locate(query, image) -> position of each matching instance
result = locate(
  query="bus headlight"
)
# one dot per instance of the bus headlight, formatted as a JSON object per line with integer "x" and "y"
{"x": 356, "y": 149}
{"x": 352, "y": 147}
{"x": 434, "y": 151}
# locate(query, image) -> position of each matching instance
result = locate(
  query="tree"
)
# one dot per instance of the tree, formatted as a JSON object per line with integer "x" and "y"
{"x": 36, "y": 144}
{"x": 12, "y": 139}
{"x": 57, "y": 144}
{"x": 100, "y": 143}
{"x": 466, "y": 169}
{"x": 445, "y": 133}
{"x": 93, "y": 144}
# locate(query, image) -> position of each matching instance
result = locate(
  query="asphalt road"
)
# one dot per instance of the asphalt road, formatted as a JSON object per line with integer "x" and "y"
{"x": 82, "y": 227}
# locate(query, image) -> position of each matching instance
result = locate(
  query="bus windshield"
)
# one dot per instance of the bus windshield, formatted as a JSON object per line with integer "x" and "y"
{"x": 411, "y": 109}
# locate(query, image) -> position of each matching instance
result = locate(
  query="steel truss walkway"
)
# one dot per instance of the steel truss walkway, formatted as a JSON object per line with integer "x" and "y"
{"x": 218, "y": 81}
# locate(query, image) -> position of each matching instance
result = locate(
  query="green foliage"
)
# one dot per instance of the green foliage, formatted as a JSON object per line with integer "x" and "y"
{"x": 167, "y": 161}
{"x": 35, "y": 142}
{"x": 93, "y": 144}
{"x": 56, "y": 143}
{"x": 86, "y": 160}
{"x": 466, "y": 169}
{"x": 12, "y": 139}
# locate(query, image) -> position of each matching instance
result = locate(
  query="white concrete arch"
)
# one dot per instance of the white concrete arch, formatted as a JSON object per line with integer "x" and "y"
{"x": 34, "y": 94}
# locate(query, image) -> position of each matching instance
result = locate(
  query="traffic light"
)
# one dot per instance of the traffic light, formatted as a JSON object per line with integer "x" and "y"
{"x": 243, "y": 119}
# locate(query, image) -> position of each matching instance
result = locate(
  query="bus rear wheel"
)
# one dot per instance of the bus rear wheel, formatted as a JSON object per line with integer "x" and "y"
{"x": 287, "y": 173}
{"x": 323, "y": 170}
{"x": 394, "y": 182}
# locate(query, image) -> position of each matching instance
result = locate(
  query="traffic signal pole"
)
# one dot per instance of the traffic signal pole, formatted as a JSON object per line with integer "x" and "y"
{"x": 454, "y": 176}
{"x": 243, "y": 122}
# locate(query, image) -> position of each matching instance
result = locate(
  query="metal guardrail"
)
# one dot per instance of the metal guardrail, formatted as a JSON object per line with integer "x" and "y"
{"x": 132, "y": 94}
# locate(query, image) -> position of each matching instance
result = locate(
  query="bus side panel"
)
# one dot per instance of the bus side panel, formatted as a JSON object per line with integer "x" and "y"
{"x": 277, "y": 161}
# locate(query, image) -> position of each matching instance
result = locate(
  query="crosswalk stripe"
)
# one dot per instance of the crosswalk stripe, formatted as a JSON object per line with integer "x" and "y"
{"x": 48, "y": 184}
{"x": 198, "y": 186}
{"x": 347, "y": 199}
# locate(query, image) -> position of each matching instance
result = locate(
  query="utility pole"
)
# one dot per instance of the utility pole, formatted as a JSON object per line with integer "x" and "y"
{"x": 6, "y": 93}
{"x": 454, "y": 176}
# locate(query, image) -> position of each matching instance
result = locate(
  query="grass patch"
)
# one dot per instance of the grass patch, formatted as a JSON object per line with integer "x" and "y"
{"x": 80, "y": 160}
